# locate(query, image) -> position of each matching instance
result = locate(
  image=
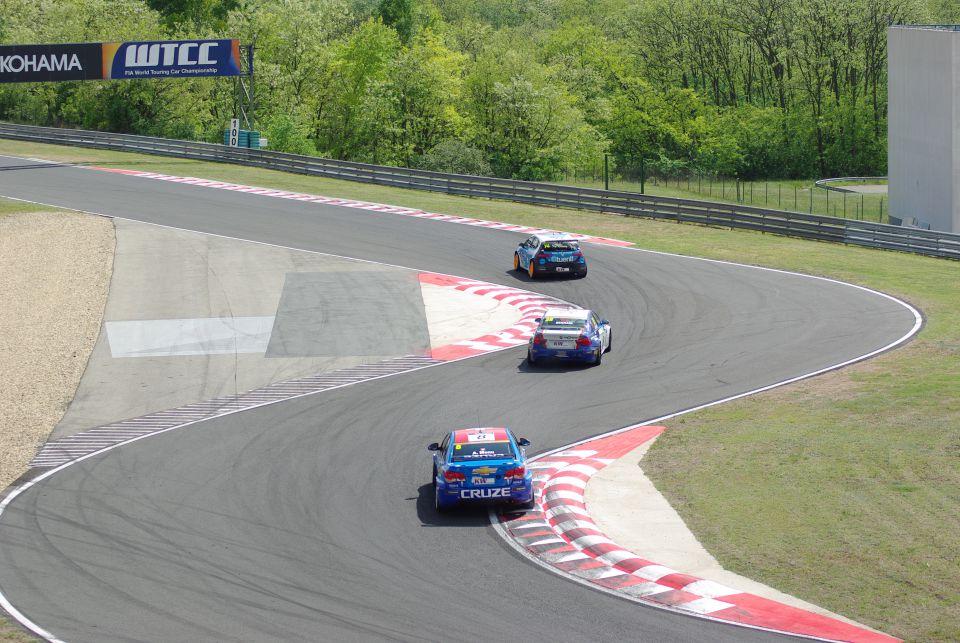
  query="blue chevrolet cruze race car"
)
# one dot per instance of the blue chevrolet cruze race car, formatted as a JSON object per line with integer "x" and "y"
{"x": 481, "y": 465}
{"x": 550, "y": 253}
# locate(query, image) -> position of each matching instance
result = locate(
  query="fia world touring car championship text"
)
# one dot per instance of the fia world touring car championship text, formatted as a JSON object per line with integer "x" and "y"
{"x": 152, "y": 73}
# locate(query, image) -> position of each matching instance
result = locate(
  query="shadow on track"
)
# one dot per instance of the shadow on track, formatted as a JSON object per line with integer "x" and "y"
{"x": 474, "y": 514}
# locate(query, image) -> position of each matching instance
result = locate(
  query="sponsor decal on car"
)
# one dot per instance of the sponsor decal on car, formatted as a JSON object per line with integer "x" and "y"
{"x": 476, "y": 494}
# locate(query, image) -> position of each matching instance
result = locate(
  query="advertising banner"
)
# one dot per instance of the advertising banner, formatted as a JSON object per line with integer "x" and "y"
{"x": 42, "y": 63}
{"x": 171, "y": 59}
{"x": 119, "y": 60}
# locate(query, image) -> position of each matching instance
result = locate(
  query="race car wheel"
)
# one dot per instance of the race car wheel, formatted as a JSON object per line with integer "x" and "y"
{"x": 441, "y": 508}
{"x": 530, "y": 270}
{"x": 610, "y": 341}
{"x": 598, "y": 357}
{"x": 530, "y": 359}
{"x": 516, "y": 262}
{"x": 433, "y": 480}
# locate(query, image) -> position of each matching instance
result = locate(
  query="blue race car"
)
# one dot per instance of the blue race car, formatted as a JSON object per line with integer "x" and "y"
{"x": 550, "y": 253}
{"x": 570, "y": 333}
{"x": 483, "y": 464}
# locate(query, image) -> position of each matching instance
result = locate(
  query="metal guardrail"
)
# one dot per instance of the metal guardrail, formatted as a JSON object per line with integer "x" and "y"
{"x": 780, "y": 222}
{"x": 826, "y": 183}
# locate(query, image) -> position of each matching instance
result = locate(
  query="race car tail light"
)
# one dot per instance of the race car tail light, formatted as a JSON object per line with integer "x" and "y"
{"x": 538, "y": 339}
{"x": 454, "y": 476}
{"x": 516, "y": 473}
{"x": 583, "y": 341}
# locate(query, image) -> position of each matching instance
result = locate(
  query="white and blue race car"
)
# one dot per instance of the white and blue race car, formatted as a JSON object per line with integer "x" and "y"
{"x": 570, "y": 334}
{"x": 550, "y": 253}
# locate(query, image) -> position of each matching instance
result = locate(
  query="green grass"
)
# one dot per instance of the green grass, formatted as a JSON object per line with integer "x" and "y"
{"x": 794, "y": 196}
{"x": 843, "y": 489}
{"x": 12, "y": 206}
{"x": 10, "y": 633}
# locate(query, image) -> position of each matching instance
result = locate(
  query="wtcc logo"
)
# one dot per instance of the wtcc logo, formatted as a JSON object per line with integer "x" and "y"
{"x": 172, "y": 58}
{"x": 166, "y": 54}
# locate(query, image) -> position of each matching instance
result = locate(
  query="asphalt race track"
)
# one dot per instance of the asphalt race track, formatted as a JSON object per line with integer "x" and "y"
{"x": 312, "y": 519}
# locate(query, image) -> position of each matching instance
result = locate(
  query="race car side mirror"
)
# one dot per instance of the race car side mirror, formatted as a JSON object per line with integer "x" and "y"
{"x": 604, "y": 322}
{"x": 537, "y": 320}
{"x": 523, "y": 442}
{"x": 434, "y": 446}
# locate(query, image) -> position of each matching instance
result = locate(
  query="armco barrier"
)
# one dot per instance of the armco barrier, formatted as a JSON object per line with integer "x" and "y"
{"x": 780, "y": 222}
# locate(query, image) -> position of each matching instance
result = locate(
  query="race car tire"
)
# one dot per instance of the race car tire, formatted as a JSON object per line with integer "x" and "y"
{"x": 610, "y": 342}
{"x": 516, "y": 262}
{"x": 598, "y": 357}
{"x": 582, "y": 274}
{"x": 530, "y": 359}
{"x": 531, "y": 270}
{"x": 433, "y": 480}
{"x": 440, "y": 507}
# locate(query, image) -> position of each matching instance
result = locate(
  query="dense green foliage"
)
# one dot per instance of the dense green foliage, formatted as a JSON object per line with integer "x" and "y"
{"x": 525, "y": 89}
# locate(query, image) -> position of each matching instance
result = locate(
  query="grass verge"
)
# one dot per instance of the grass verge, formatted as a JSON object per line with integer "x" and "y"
{"x": 791, "y": 195}
{"x": 843, "y": 490}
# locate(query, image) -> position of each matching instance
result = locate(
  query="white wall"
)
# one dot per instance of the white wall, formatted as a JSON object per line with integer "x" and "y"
{"x": 923, "y": 127}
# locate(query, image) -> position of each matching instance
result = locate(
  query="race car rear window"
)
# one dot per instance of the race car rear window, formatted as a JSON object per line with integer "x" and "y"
{"x": 561, "y": 246}
{"x": 563, "y": 323}
{"x": 464, "y": 452}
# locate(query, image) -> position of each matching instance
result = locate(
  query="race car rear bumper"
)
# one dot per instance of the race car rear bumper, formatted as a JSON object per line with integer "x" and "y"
{"x": 579, "y": 354}
{"x": 506, "y": 493}
{"x": 576, "y": 269}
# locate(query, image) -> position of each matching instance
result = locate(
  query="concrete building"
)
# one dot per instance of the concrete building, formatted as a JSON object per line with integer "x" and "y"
{"x": 923, "y": 126}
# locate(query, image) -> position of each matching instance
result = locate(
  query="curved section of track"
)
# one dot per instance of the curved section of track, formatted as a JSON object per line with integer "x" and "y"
{"x": 312, "y": 519}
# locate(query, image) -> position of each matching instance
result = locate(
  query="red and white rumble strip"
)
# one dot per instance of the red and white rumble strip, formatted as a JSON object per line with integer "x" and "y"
{"x": 530, "y": 304}
{"x": 560, "y": 534}
{"x": 350, "y": 203}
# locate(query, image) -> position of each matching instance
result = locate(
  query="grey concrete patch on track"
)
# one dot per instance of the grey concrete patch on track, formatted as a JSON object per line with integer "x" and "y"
{"x": 168, "y": 337}
{"x": 332, "y": 313}
{"x": 175, "y": 279}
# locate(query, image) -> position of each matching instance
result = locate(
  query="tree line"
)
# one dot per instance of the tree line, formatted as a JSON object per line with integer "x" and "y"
{"x": 527, "y": 89}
